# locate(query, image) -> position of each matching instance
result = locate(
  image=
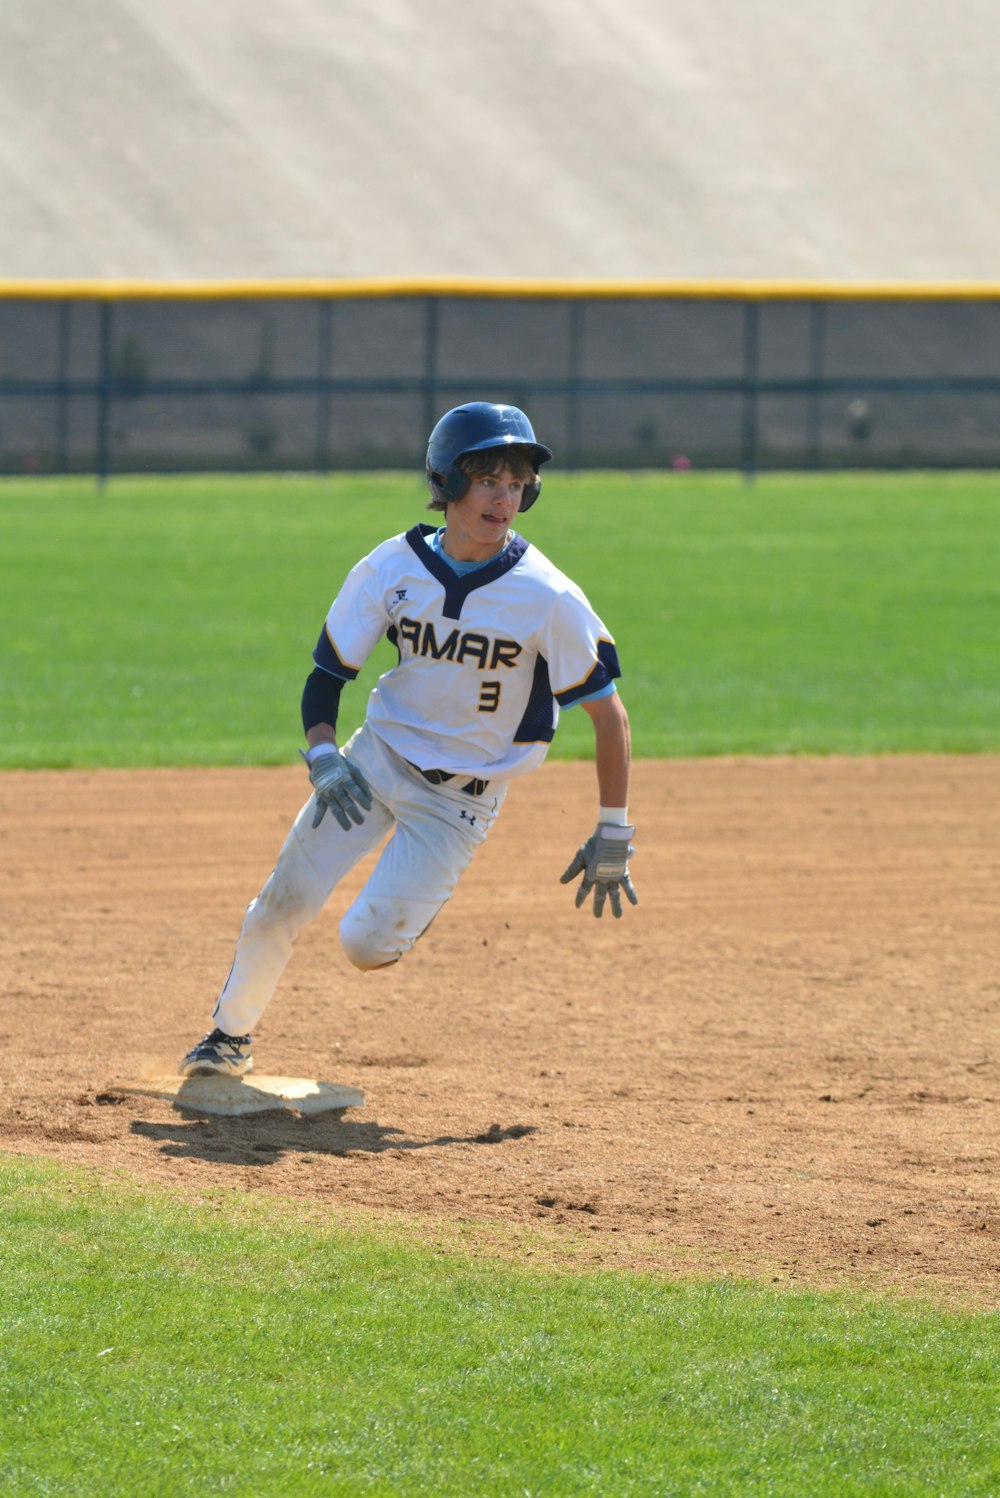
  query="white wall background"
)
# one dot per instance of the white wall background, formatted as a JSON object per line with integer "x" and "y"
{"x": 571, "y": 138}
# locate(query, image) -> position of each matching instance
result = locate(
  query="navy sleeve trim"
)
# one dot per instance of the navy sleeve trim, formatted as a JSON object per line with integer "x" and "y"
{"x": 325, "y": 655}
{"x": 605, "y": 670}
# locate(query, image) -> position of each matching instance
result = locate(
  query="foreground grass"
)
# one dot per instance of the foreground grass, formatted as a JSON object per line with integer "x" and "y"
{"x": 150, "y": 1347}
{"x": 171, "y": 621}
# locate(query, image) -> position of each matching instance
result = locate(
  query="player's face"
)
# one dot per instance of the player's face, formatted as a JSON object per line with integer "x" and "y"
{"x": 477, "y": 524}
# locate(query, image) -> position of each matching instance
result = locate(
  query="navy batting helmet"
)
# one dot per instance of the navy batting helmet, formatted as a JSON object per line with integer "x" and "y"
{"x": 474, "y": 428}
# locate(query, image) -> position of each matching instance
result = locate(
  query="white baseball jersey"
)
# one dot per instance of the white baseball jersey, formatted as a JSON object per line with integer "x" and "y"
{"x": 485, "y": 658}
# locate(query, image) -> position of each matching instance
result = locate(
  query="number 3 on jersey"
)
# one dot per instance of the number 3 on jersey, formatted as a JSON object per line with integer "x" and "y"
{"x": 489, "y": 696}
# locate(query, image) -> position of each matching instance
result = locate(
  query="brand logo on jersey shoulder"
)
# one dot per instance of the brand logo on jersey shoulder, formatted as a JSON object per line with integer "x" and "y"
{"x": 485, "y": 651}
{"x": 400, "y": 594}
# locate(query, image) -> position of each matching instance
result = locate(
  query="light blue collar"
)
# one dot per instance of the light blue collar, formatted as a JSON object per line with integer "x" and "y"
{"x": 436, "y": 544}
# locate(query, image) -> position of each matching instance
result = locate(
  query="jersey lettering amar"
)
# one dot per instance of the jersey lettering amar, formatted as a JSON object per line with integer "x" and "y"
{"x": 485, "y": 659}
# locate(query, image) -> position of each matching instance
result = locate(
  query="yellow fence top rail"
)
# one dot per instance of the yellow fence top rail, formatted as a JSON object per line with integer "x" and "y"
{"x": 488, "y": 287}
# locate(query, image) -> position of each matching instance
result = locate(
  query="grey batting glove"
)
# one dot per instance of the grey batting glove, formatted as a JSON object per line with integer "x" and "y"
{"x": 339, "y": 785}
{"x": 603, "y": 862}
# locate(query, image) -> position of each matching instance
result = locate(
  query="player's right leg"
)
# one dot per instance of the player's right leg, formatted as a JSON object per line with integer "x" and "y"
{"x": 310, "y": 865}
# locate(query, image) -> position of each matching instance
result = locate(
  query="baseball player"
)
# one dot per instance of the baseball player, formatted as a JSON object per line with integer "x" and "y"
{"x": 492, "y": 641}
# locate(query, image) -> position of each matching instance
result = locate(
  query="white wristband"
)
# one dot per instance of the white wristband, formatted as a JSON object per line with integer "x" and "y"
{"x": 317, "y": 750}
{"x": 616, "y": 815}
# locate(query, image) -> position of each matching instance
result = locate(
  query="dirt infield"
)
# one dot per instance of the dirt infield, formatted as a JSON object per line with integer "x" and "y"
{"x": 784, "y": 1063}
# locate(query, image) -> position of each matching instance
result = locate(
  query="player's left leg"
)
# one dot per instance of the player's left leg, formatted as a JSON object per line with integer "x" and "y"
{"x": 438, "y": 829}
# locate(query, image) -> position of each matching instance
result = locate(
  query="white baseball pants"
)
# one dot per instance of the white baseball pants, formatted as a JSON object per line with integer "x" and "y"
{"x": 435, "y": 831}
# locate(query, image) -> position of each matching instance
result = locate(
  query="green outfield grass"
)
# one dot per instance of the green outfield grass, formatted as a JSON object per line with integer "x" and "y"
{"x": 151, "y": 1347}
{"x": 170, "y": 621}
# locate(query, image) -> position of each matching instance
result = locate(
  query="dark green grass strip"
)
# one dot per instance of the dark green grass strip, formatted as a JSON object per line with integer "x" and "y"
{"x": 152, "y": 1347}
{"x": 171, "y": 621}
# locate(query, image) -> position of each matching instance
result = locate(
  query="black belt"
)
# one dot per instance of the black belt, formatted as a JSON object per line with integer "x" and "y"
{"x": 440, "y": 777}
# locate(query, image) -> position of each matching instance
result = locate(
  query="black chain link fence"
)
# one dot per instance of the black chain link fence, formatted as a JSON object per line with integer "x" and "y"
{"x": 149, "y": 381}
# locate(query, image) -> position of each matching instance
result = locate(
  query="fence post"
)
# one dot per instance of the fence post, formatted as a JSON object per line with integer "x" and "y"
{"x": 814, "y": 406}
{"x": 751, "y": 377}
{"x": 430, "y": 363}
{"x": 104, "y": 346}
{"x": 62, "y": 381}
{"x": 576, "y": 307}
{"x": 324, "y": 361}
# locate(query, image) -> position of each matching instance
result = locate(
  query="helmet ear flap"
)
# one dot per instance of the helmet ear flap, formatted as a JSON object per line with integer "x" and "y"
{"x": 529, "y": 494}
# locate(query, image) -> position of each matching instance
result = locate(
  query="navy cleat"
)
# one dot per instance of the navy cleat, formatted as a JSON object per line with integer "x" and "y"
{"x": 219, "y": 1054}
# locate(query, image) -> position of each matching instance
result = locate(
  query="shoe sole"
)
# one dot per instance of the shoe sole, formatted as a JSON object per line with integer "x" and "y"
{"x": 212, "y": 1069}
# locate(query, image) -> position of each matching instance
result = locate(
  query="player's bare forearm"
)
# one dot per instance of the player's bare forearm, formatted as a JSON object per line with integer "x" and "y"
{"x": 603, "y": 859}
{"x": 612, "y": 748}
